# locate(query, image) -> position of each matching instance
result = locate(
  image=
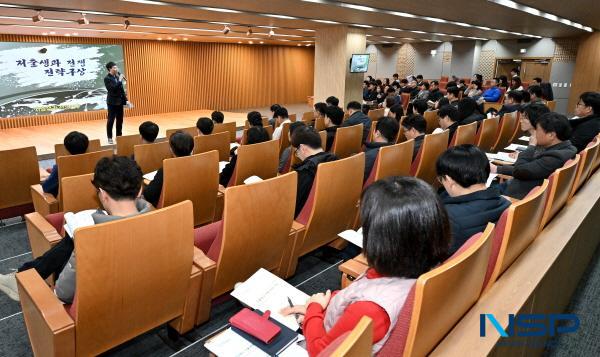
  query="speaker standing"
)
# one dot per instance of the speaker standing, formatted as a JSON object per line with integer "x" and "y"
{"x": 115, "y": 99}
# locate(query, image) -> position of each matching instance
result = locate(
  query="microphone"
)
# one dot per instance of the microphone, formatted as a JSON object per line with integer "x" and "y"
{"x": 119, "y": 74}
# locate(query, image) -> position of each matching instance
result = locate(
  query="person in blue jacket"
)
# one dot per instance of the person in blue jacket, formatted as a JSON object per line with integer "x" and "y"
{"x": 493, "y": 93}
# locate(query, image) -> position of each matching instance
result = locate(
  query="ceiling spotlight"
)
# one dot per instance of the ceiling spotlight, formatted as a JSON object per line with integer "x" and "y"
{"x": 45, "y": 33}
{"x": 250, "y": 42}
{"x": 37, "y": 17}
{"x": 75, "y": 34}
{"x": 249, "y": 32}
{"x": 271, "y": 33}
{"x": 433, "y": 52}
{"x": 126, "y": 23}
{"x": 261, "y": 42}
{"x": 523, "y": 50}
{"x": 226, "y": 30}
{"x": 52, "y": 33}
{"x": 185, "y": 38}
{"x": 83, "y": 20}
{"x": 160, "y": 38}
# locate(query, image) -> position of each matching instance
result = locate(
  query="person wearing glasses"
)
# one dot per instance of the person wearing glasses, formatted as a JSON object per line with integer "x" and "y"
{"x": 118, "y": 182}
{"x": 586, "y": 123}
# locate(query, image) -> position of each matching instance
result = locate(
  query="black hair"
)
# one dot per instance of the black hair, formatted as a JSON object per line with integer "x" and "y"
{"x": 534, "y": 112}
{"x": 217, "y": 117}
{"x": 335, "y": 114}
{"x": 320, "y": 107}
{"x": 281, "y": 112}
{"x": 591, "y": 99}
{"x": 453, "y": 90}
{"x": 332, "y": 101}
{"x": 516, "y": 82}
{"x": 295, "y": 125}
{"x": 516, "y": 95}
{"x": 450, "y": 111}
{"x": 419, "y": 76}
{"x": 148, "y": 131}
{"x": 76, "y": 143}
{"x": 365, "y": 109}
{"x": 420, "y": 106}
{"x": 306, "y": 136}
{"x": 437, "y": 83}
{"x": 535, "y": 90}
{"x": 462, "y": 81}
{"x": 274, "y": 107}
{"x": 466, "y": 107}
{"x": 555, "y": 123}
{"x": 526, "y": 96}
{"x": 426, "y": 85}
{"x": 443, "y": 101}
{"x": 182, "y": 143}
{"x": 395, "y": 75}
{"x": 391, "y": 90}
{"x": 205, "y": 125}
{"x": 477, "y": 84}
{"x": 119, "y": 176}
{"x": 398, "y": 111}
{"x": 353, "y": 105}
{"x": 254, "y": 119}
{"x": 479, "y": 77}
{"x": 450, "y": 84}
{"x": 466, "y": 164}
{"x": 404, "y": 80}
{"x": 390, "y": 102}
{"x": 415, "y": 121}
{"x": 537, "y": 79}
{"x": 516, "y": 70}
{"x": 256, "y": 134}
{"x": 405, "y": 227}
{"x": 110, "y": 65}
{"x": 388, "y": 128}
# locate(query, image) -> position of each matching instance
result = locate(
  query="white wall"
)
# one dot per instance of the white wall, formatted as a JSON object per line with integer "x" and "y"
{"x": 463, "y": 54}
{"x": 385, "y": 65}
{"x": 431, "y": 66}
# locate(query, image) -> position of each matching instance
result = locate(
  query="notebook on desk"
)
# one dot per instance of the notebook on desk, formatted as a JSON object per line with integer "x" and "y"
{"x": 283, "y": 340}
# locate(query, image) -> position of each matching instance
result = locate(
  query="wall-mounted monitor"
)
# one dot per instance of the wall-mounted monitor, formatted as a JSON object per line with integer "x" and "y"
{"x": 359, "y": 63}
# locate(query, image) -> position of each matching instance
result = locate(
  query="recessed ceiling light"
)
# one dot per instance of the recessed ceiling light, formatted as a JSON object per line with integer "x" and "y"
{"x": 250, "y": 42}
{"x": 299, "y": 44}
{"x": 68, "y": 34}
{"x": 160, "y": 38}
{"x": 277, "y": 16}
{"x": 325, "y": 21}
{"x": 307, "y": 45}
{"x": 306, "y": 30}
{"x": 218, "y": 9}
{"x": 174, "y": 39}
{"x": 185, "y": 38}
{"x": 239, "y": 41}
{"x": 361, "y": 25}
{"x": 358, "y": 7}
{"x": 388, "y": 36}
{"x": 75, "y": 34}
{"x": 45, "y": 33}
{"x": 52, "y": 33}
{"x": 261, "y": 42}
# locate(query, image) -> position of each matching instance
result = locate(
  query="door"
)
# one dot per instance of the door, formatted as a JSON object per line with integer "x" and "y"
{"x": 535, "y": 68}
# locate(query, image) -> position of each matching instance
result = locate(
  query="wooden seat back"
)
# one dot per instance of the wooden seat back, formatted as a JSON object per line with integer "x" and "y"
{"x": 150, "y": 156}
{"x": 560, "y": 184}
{"x": 61, "y": 150}
{"x": 284, "y": 139}
{"x": 319, "y": 124}
{"x": 146, "y": 282}
{"x": 433, "y": 146}
{"x": 517, "y": 133}
{"x": 265, "y": 122}
{"x": 431, "y": 117}
{"x": 292, "y": 117}
{"x": 78, "y": 193}
{"x": 357, "y": 342}
{"x": 126, "y": 143}
{"x": 20, "y": 170}
{"x": 516, "y": 229}
{"x": 486, "y": 135}
{"x": 597, "y": 160}
{"x": 192, "y": 130}
{"x": 405, "y": 100}
{"x": 217, "y": 141}
{"x": 348, "y": 141}
{"x": 588, "y": 156}
{"x": 226, "y": 127}
{"x": 505, "y": 131}
{"x": 260, "y": 159}
{"x": 194, "y": 178}
{"x": 465, "y": 134}
{"x": 393, "y": 160}
{"x": 551, "y": 104}
{"x": 375, "y": 114}
{"x": 308, "y": 117}
{"x": 331, "y": 205}
{"x": 246, "y": 247}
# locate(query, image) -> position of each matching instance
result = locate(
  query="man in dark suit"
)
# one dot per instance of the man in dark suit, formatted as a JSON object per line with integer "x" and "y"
{"x": 356, "y": 117}
{"x": 115, "y": 99}
{"x": 414, "y": 128}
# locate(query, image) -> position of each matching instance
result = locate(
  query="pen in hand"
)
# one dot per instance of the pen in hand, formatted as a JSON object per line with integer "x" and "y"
{"x": 296, "y": 315}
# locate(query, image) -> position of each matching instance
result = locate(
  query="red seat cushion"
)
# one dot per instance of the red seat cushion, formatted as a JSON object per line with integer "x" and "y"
{"x": 209, "y": 238}
{"x": 57, "y": 220}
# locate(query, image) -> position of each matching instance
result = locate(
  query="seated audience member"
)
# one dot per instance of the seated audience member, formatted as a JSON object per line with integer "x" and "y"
{"x": 514, "y": 100}
{"x": 405, "y": 234}
{"x": 547, "y": 93}
{"x": 514, "y": 72}
{"x": 468, "y": 112}
{"x": 452, "y": 96}
{"x": 319, "y": 110}
{"x": 307, "y": 143}
{"x": 463, "y": 171}
{"x": 181, "y": 144}
{"x": 419, "y": 79}
{"x": 386, "y": 131}
{"x": 536, "y": 94}
{"x": 515, "y": 84}
{"x": 395, "y": 79}
{"x": 217, "y": 117}
{"x": 391, "y": 93}
{"x": 365, "y": 109}
{"x": 473, "y": 91}
{"x": 148, "y": 131}
{"x": 365, "y": 89}
{"x": 76, "y": 143}
{"x": 285, "y": 155}
{"x": 118, "y": 181}
{"x": 396, "y": 112}
{"x": 536, "y": 81}
{"x": 423, "y": 93}
{"x": 440, "y": 103}
{"x": 205, "y": 126}
{"x": 273, "y": 108}
{"x": 332, "y": 101}
{"x": 281, "y": 117}
{"x": 255, "y": 135}
{"x": 381, "y": 95}
{"x": 371, "y": 96}
{"x": 502, "y": 82}
{"x": 526, "y": 98}
{"x": 587, "y": 123}
{"x": 334, "y": 116}
{"x": 528, "y": 119}
{"x": 434, "y": 91}
{"x": 477, "y": 77}
{"x": 254, "y": 119}
{"x": 448, "y": 119}
{"x": 414, "y": 89}
{"x": 538, "y": 162}
{"x": 414, "y": 128}
{"x": 462, "y": 86}
{"x": 404, "y": 88}
{"x": 355, "y": 117}
{"x": 389, "y": 102}
{"x": 419, "y": 107}
{"x": 491, "y": 94}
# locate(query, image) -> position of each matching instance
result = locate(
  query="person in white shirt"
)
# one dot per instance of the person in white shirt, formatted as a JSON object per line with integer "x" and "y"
{"x": 281, "y": 117}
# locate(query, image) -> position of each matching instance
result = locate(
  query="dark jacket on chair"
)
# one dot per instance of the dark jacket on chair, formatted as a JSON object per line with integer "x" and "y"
{"x": 307, "y": 171}
{"x": 116, "y": 92}
{"x": 225, "y": 175}
{"x": 153, "y": 191}
{"x": 330, "y": 137}
{"x": 584, "y": 130}
{"x": 469, "y": 214}
{"x": 533, "y": 166}
{"x": 50, "y": 185}
{"x": 371, "y": 152}
{"x": 474, "y": 117}
{"x": 359, "y": 118}
{"x": 418, "y": 144}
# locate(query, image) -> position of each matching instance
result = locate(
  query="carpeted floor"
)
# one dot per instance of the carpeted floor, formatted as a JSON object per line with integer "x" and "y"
{"x": 316, "y": 272}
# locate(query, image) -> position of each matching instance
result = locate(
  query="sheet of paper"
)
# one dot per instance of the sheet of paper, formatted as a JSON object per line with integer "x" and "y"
{"x": 78, "y": 220}
{"x": 352, "y": 236}
{"x": 230, "y": 344}
{"x": 491, "y": 178}
{"x": 222, "y": 165}
{"x": 294, "y": 350}
{"x": 515, "y": 147}
{"x": 252, "y": 179}
{"x": 524, "y": 138}
{"x": 266, "y": 291}
{"x": 233, "y": 145}
{"x": 150, "y": 175}
{"x": 502, "y": 156}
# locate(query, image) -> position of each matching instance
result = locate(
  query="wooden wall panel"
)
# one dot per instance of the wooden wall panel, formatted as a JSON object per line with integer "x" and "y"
{"x": 167, "y": 76}
{"x": 586, "y": 76}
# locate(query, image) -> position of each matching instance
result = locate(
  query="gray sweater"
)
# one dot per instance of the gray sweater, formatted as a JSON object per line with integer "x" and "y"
{"x": 65, "y": 285}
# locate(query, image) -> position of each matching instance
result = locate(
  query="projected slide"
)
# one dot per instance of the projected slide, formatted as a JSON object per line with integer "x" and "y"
{"x": 45, "y": 78}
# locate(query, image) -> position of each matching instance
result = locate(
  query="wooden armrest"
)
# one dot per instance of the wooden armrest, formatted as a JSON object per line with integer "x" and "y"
{"x": 502, "y": 163}
{"x": 42, "y": 235}
{"x": 43, "y": 202}
{"x": 51, "y": 330}
{"x": 202, "y": 261}
{"x": 353, "y": 268}
{"x": 297, "y": 227}
{"x": 361, "y": 259}
{"x": 209, "y": 270}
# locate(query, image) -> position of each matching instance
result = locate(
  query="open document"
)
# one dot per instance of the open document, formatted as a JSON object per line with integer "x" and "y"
{"x": 78, "y": 220}
{"x": 352, "y": 236}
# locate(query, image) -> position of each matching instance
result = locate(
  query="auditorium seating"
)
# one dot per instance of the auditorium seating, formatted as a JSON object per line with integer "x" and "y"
{"x": 551, "y": 104}
{"x": 20, "y": 171}
{"x": 268, "y": 128}
{"x": 60, "y": 150}
{"x": 194, "y": 178}
{"x": 517, "y": 133}
{"x": 405, "y": 101}
{"x": 151, "y": 280}
{"x": 560, "y": 184}
{"x": 393, "y": 160}
{"x": 431, "y": 117}
{"x": 375, "y": 114}
{"x": 126, "y": 143}
{"x": 357, "y": 342}
{"x": 319, "y": 124}
{"x": 433, "y": 146}
{"x": 150, "y": 156}
{"x": 506, "y": 129}
{"x": 465, "y": 134}
{"x": 226, "y": 127}
{"x": 260, "y": 160}
{"x": 216, "y": 141}
{"x": 71, "y": 165}
{"x": 284, "y": 139}
{"x": 308, "y": 117}
{"x": 348, "y": 141}
{"x": 588, "y": 156}
{"x": 192, "y": 130}
{"x": 265, "y": 122}
{"x": 486, "y": 134}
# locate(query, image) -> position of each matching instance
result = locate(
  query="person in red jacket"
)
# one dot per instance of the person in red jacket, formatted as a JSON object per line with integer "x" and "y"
{"x": 405, "y": 234}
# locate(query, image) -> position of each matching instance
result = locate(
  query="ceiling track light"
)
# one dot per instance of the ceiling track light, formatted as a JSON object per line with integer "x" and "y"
{"x": 226, "y": 30}
{"x": 249, "y": 32}
{"x": 83, "y": 20}
{"x": 126, "y": 23}
{"x": 271, "y": 33}
{"x": 38, "y": 16}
